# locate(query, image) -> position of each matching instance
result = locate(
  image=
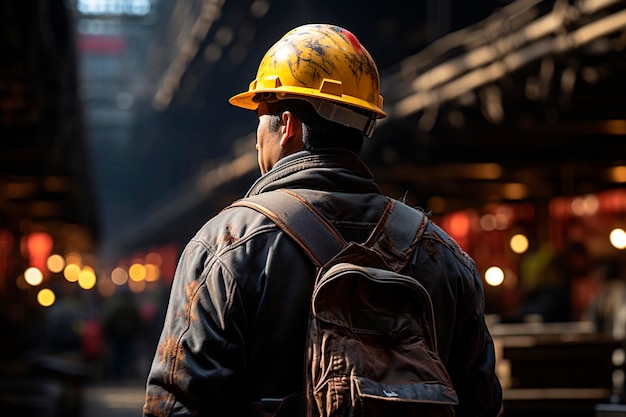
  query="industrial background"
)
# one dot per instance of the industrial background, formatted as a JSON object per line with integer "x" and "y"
{"x": 117, "y": 143}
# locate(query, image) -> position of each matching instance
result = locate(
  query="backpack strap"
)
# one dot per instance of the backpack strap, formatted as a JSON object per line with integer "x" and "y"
{"x": 300, "y": 220}
{"x": 395, "y": 236}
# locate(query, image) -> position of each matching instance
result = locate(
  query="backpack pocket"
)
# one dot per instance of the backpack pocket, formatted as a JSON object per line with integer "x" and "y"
{"x": 419, "y": 399}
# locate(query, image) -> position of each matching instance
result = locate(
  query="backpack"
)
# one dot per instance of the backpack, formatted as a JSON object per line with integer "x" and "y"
{"x": 371, "y": 348}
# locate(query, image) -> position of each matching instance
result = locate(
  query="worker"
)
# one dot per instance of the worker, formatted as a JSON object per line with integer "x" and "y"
{"x": 236, "y": 324}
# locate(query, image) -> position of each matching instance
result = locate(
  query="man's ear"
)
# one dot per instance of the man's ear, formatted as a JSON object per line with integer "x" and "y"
{"x": 290, "y": 132}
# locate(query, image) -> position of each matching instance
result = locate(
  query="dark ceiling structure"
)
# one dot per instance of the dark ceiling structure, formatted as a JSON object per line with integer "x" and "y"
{"x": 201, "y": 53}
{"x": 527, "y": 104}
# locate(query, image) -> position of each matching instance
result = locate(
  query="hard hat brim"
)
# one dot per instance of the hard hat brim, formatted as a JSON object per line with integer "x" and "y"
{"x": 245, "y": 100}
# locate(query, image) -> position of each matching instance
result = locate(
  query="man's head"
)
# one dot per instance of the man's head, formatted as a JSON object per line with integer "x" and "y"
{"x": 326, "y": 82}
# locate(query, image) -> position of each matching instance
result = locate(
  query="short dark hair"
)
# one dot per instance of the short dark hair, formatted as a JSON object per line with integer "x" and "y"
{"x": 317, "y": 132}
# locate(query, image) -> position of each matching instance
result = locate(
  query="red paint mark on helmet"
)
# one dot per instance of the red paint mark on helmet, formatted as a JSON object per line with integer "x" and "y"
{"x": 353, "y": 40}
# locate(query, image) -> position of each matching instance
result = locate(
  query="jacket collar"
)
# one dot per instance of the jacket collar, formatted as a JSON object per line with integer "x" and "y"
{"x": 325, "y": 169}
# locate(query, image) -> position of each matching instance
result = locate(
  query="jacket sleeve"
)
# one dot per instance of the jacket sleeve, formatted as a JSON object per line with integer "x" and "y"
{"x": 473, "y": 360}
{"x": 464, "y": 341}
{"x": 201, "y": 348}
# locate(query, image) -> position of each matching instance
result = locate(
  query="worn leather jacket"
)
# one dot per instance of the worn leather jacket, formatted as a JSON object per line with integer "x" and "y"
{"x": 239, "y": 304}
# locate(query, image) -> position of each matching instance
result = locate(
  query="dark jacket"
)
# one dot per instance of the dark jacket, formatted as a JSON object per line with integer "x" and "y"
{"x": 238, "y": 310}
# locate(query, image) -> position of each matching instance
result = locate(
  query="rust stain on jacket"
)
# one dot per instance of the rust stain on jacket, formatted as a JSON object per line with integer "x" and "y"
{"x": 228, "y": 238}
{"x": 166, "y": 349}
{"x": 431, "y": 249}
{"x": 156, "y": 404}
{"x": 190, "y": 291}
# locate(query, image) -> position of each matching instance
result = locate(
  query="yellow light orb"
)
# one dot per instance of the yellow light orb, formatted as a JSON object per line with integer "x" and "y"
{"x": 137, "y": 272}
{"x": 519, "y": 243}
{"x": 87, "y": 279}
{"x": 33, "y": 276}
{"x": 71, "y": 272}
{"x": 494, "y": 276}
{"x": 46, "y": 297}
{"x": 618, "y": 238}
{"x": 55, "y": 263}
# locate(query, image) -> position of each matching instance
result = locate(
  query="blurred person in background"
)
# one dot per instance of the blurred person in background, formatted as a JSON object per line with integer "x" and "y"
{"x": 63, "y": 322}
{"x": 121, "y": 323}
{"x": 235, "y": 328}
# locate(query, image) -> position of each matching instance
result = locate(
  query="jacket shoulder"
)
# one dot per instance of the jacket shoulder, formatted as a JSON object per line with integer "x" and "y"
{"x": 231, "y": 225}
{"x": 435, "y": 233}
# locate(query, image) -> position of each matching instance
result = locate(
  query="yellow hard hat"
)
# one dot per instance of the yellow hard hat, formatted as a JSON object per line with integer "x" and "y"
{"x": 325, "y": 65}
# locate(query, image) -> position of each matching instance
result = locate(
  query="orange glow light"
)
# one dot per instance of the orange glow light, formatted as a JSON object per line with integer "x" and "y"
{"x": 39, "y": 245}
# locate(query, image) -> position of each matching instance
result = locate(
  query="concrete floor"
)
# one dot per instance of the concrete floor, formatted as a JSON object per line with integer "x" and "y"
{"x": 113, "y": 400}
